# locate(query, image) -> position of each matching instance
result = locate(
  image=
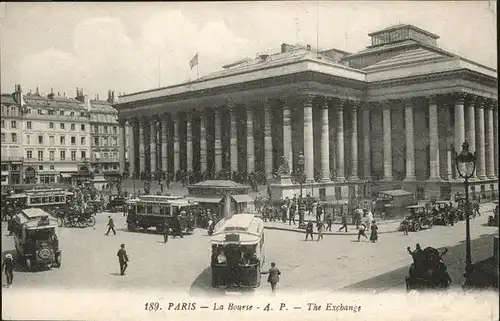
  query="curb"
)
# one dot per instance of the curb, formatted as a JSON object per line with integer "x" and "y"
{"x": 324, "y": 233}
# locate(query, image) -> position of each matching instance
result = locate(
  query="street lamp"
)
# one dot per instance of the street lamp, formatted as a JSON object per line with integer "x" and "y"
{"x": 133, "y": 180}
{"x": 300, "y": 162}
{"x": 466, "y": 165}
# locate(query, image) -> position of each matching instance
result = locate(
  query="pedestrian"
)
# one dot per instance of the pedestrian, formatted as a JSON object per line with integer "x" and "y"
{"x": 291, "y": 214}
{"x": 329, "y": 222}
{"x": 344, "y": 222}
{"x": 165, "y": 231}
{"x": 8, "y": 265}
{"x": 111, "y": 226}
{"x": 321, "y": 227}
{"x": 374, "y": 233}
{"x": 309, "y": 230}
{"x": 274, "y": 276}
{"x": 122, "y": 259}
{"x": 361, "y": 231}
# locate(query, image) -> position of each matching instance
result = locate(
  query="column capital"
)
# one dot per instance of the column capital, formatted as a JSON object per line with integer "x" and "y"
{"x": 356, "y": 105}
{"x": 471, "y": 99}
{"x": 460, "y": 97}
{"x": 489, "y": 103}
{"x": 325, "y": 102}
{"x": 122, "y": 122}
{"x": 340, "y": 103}
{"x": 480, "y": 102}
{"x": 433, "y": 99}
{"x": 307, "y": 98}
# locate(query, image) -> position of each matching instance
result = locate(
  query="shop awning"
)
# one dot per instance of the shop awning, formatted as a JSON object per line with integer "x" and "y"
{"x": 243, "y": 198}
{"x": 66, "y": 175}
{"x": 200, "y": 199}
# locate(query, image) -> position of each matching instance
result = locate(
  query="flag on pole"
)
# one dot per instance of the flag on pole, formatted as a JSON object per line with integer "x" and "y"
{"x": 194, "y": 61}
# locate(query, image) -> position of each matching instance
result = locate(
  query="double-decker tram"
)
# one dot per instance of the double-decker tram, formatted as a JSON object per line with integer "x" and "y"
{"x": 238, "y": 252}
{"x": 42, "y": 198}
{"x": 152, "y": 211}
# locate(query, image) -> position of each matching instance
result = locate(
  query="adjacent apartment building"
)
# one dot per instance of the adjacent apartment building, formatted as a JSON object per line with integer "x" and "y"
{"x": 47, "y": 138}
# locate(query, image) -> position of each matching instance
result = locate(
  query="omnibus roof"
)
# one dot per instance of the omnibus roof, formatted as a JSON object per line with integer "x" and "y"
{"x": 166, "y": 200}
{"x": 32, "y": 218}
{"x": 241, "y": 229}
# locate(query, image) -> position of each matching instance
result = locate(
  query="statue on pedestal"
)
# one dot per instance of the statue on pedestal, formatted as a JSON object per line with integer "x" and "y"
{"x": 284, "y": 169}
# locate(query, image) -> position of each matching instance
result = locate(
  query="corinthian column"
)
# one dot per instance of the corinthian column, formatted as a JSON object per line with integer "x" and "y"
{"x": 164, "y": 145}
{"x": 268, "y": 141}
{"x": 367, "y": 166}
{"x": 234, "y": 138}
{"x": 131, "y": 148}
{"x": 340, "y": 141}
{"x": 177, "y": 155}
{"x": 287, "y": 134}
{"x": 386, "y": 117}
{"x": 308, "y": 137}
{"x": 203, "y": 142}
{"x": 480, "y": 153}
{"x": 189, "y": 141}
{"x": 490, "y": 141}
{"x": 142, "y": 156}
{"x": 325, "y": 142}
{"x": 410, "y": 148}
{"x": 459, "y": 124}
{"x": 152, "y": 137}
{"x": 250, "y": 141}
{"x": 218, "y": 140}
{"x": 122, "y": 145}
{"x": 433, "y": 140}
{"x": 354, "y": 142}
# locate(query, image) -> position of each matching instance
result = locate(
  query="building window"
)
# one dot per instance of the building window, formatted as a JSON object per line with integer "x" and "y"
{"x": 72, "y": 126}
{"x": 96, "y": 141}
{"x": 51, "y": 125}
{"x": 3, "y": 137}
{"x": 96, "y": 129}
{"x": 29, "y": 154}
{"x": 105, "y": 155}
{"x": 62, "y": 155}
{"x": 51, "y": 167}
{"x": 51, "y": 140}
{"x": 40, "y": 112}
{"x": 105, "y": 141}
{"x": 40, "y": 155}
{"x": 51, "y": 112}
{"x": 83, "y": 154}
{"x": 7, "y": 111}
{"x": 28, "y": 110}
{"x": 61, "y": 125}
{"x": 52, "y": 155}
{"x": 28, "y": 125}
{"x": 63, "y": 140}
{"x": 14, "y": 137}
{"x": 3, "y": 123}
{"x": 82, "y": 127}
{"x": 13, "y": 124}
{"x": 61, "y": 112}
{"x": 114, "y": 130}
{"x": 73, "y": 155}
{"x": 114, "y": 141}
{"x": 40, "y": 167}
{"x": 105, "y": 129}
{"x": 40, "y": 139}
{"x": 73, "y": 140}
{"x": 82, "y": 114}
{"x": 106, "y": 167}
{"x": 82, "y": 140}
{"x": 28, "y": 139}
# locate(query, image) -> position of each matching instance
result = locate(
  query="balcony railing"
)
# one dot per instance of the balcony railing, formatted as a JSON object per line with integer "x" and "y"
{"x": 11, "y": 158}
{"x": 47, "y": 159}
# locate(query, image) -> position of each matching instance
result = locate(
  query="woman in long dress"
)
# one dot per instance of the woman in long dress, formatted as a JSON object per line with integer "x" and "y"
{"x": 374, "y": 235}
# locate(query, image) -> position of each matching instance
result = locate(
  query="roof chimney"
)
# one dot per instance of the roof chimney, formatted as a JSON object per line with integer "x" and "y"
{"x": 308, "y": 47}
{"x": 51, "y": 95}
{"x": 37, "y": 91}
{"x": 86, "y": 102}
{"x": 18, "y": 95}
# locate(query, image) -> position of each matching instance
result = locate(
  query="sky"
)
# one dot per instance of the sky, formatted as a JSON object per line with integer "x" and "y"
{"x": 129, "y": 47}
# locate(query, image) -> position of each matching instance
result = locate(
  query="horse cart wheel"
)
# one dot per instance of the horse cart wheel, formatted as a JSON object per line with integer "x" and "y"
{"x": 416, "y": 227}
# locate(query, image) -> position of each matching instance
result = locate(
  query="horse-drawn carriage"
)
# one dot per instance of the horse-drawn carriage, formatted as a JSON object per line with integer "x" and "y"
{"x": 428, "y": 270}
{"x": 418, "y": 217}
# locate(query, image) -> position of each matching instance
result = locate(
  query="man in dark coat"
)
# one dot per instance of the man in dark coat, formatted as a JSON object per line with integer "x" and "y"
{"x": 122, "y": 259}
{"x": 274, "y": 276}
{"x": 111, "y": 226}
{"x": 165, "y": 231}
{"x": 309, "y": 229}
{"x": 329, "y": 222}
{"x": 344, "y": 222}
{"x": 8, "y": 265}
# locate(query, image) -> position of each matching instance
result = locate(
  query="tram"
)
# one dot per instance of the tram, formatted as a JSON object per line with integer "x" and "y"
{"x": 238, "y": 252}
{"x": 152, "y": 211}
{"x": 41, "y": 198}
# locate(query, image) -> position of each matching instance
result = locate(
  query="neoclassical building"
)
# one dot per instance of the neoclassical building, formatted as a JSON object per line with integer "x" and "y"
{"x": 391, "y": 116}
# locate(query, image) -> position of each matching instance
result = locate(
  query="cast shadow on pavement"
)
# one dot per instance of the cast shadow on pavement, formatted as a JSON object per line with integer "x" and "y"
{"x": 454, "y": 259}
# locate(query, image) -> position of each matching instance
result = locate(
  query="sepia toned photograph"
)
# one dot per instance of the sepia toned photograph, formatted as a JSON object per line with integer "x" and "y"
{"x": 295, "y": 160}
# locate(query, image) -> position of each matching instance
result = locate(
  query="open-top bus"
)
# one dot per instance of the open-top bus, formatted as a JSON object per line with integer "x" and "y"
{"x": 50, "y": 197}
{"x": 238, "y": 252}
{"x": 152, "y": 211}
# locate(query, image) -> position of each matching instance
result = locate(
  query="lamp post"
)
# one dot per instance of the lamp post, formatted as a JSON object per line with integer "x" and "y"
{"x": 466, "y": 165}
{"x": 133, "y": 180}
{"x": 300, "y": 162}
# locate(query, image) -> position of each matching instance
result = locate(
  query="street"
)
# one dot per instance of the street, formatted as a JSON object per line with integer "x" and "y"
{"x": 89, "y": 258}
